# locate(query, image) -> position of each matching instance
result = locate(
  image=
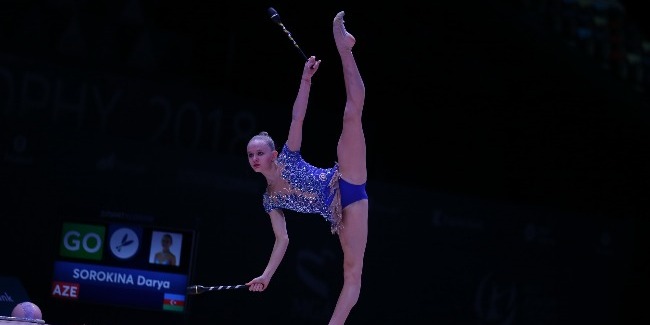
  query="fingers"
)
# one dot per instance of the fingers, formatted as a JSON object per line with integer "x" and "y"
{"x": 312, "y": 63}
{"x": 256, "y": 287}
{"x": 256, "y": 284}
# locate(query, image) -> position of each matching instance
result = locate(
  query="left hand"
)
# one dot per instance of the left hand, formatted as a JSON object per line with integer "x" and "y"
{"x": 311, "y": 66}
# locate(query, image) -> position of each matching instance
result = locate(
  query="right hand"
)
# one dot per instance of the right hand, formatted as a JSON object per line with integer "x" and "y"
{"x": 258, "y": 284}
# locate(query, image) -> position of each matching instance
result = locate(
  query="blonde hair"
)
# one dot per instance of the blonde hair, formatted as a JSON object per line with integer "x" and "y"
{"x": 264, "y": 136}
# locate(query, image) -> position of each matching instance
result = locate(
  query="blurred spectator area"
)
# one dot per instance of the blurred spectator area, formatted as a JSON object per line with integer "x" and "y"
{"x": 603, "y": 29}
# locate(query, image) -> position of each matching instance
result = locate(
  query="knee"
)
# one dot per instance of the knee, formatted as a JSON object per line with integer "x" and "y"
{"x": 352, "y": 274}
{"x": 352, "y": 113}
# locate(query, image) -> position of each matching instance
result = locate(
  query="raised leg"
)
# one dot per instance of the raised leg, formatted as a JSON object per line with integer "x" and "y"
{"x": 352, "y": 164}
{"x": 351, "y": 149}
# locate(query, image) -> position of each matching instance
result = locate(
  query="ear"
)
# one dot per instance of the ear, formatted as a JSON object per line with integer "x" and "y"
{"x": 275, "y": 154}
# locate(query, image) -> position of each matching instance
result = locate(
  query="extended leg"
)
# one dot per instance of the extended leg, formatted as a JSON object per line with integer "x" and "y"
{"x": 352, "y": 164}
{"x": 351, "y": 149}
{"x": 353, "y": 237}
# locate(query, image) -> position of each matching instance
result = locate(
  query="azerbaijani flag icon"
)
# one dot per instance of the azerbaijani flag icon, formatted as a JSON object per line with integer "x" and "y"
{"x": 174, "y": 302}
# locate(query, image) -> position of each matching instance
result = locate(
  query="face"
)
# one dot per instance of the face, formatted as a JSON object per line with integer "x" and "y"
{"x": 260, "y": 155}
{"x": 166, "y": 241}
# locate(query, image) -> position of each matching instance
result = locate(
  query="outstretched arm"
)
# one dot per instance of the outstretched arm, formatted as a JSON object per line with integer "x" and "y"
{"x": 277, "y": 254}
{"x": 294, "y": 139}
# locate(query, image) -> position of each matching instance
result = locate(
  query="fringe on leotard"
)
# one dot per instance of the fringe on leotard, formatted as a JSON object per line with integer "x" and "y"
{"x": 335, "y": 206}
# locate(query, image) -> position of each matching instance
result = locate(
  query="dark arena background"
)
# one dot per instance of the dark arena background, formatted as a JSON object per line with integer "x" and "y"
{"x": 508, "y": 156}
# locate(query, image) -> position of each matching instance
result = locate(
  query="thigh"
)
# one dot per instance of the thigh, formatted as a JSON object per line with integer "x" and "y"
{"x": 354, "y": 234}
{"x": 351, "y": 152}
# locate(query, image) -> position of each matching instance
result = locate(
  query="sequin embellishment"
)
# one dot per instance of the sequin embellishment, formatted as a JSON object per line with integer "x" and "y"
{"x": 311, "y": 189}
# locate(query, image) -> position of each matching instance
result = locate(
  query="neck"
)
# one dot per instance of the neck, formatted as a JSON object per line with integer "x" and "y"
{"x": 272, "y": 175}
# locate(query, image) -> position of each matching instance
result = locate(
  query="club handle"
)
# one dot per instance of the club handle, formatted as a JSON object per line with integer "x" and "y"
{"x": 198, "y": 289}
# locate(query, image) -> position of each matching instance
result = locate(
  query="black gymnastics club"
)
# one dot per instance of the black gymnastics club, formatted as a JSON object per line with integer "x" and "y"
{"x": 276, "y": 18}
{"x": 199, "y": 289}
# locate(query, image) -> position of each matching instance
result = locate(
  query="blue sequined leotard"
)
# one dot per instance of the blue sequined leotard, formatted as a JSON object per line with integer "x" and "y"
{"x": 312, "y": 189}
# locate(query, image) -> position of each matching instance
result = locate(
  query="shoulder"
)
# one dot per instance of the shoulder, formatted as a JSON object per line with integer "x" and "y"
{"x": 289, "y": 156}
{"x": 287, "y": 152}
{"x": 266, "y": 202}
{"x": 286, "y": 149}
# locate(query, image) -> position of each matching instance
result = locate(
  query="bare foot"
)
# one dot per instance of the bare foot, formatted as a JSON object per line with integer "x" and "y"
{"x": 344, "y": 40}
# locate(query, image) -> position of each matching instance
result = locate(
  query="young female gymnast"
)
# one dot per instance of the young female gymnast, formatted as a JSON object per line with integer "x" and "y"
{"x": 337, "y": 193}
